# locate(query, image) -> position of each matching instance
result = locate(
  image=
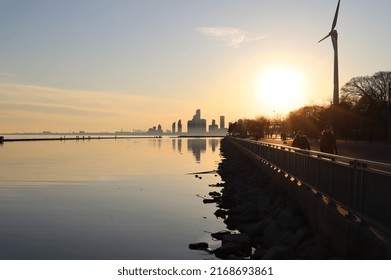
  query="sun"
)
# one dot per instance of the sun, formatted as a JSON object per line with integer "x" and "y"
{"x": 280, "y": 89}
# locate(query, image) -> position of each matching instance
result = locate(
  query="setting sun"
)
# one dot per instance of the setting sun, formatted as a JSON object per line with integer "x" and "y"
{"x": 280, "y": 89}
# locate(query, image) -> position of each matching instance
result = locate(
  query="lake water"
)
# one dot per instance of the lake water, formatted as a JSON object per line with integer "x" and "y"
{"x": 107, "y": 199}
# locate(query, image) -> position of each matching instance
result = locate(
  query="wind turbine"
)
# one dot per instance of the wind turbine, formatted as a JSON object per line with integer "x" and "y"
{"x": 334, "y": 38}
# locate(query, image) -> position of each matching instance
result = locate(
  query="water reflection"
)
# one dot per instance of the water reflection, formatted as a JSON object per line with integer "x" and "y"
{"x": 105, "y": 199}
{"x": 180, "y": 145}
{"x": 197, "y": 147}
{"x": 214, "y": 144}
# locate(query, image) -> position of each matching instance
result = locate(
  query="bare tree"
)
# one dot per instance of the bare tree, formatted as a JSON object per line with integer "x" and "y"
{"x": 370, "y": 90}
{"x": 370, "y": 96}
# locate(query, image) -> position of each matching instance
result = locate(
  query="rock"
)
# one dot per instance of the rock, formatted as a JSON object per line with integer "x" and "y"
{"x": 226, "y": 202}
{"x": 234, "y": 220}
{"x": 315, "y": 252}
{"x": 219, "y": 213}
{"x": 300, "y": 236}
{"x": 279, "y": 201}
{"x": 199, "y": 246}
{"x": 258, "y": 254}
{"x": 231, "y": 248}
{"x": 219, "y": 235}
{"x": 214, "y": 194}
{"x": 275, "y": 211}
{"x": 241, "y": 238}
{"x": 287, "y": 237}
{"x": 266, "y": 217}
{"x": 233, "y": 257}
{"x": 247, "y": 208}
{"x": 292, "y": 223}
{"x": 271, "y": 234}
{"x": 307, "y": 243}
{"x": 252, "y": 228}
{"x": 279, "y": 253}
{"x": 211, "y": 200}
{"x": 286, "y": 213}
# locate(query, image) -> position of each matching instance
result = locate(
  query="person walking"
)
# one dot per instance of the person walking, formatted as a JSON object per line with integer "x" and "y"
{"x": 301, "y": 141}
{"x": 328, "y": 143}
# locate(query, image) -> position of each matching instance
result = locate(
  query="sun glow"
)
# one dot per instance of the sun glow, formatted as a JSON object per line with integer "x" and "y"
{"x": 280, "y": 90}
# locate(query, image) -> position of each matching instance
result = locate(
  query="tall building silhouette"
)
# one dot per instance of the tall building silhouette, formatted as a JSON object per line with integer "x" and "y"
{"x": 196, "y": 126}
{"x": 155, "y": 131}
{"x": 222, "y": 122}
{"x": 213, "y": 128}
{"x": 179, "y": 126}
{"x": 173, "y": 127}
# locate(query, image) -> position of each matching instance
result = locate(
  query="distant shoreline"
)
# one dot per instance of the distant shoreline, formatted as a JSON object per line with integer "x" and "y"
{"x": 83, "y": 137}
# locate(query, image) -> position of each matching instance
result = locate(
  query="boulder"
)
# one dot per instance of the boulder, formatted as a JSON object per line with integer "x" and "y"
{"x": 220, "y": 213}
{"x": 235, "y": 220}
{"x": 300, "y": 236}
{"x": 271, "y": 235}
{"x": 241, "y": 238}
{"x": 279, "y": 252}
{"x": 292, "y": 223}
{"x": 231, "y": 248}
{"x": 258, "y": 254}
{"x": 214, "y": 194}
{"x": 256, "y": 228}
{"x": 199, "y": 246}
{"x": 219, "y": 235}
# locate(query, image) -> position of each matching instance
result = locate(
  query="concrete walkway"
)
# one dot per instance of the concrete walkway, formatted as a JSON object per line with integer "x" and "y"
{"x": 361, "y": 150}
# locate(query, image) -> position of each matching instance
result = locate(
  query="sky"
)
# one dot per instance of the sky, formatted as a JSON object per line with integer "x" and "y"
{"x": 114, "y": 65}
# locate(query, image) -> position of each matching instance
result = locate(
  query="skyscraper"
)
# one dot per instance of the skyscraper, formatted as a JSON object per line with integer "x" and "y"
{"x": 173, "y": 127}
{"x": 222, "y": 122}
{"x": 179, "y": 126}
{"x": 196, "y": 126}
{"x": 213, "y": 128}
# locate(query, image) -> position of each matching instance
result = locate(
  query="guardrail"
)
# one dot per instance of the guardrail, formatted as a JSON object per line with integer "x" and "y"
{"x": 361, "y": 187}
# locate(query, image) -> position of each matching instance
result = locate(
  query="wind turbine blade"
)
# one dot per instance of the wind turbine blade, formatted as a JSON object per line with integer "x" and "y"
{"x": 335, "y": 16}
{"x": 328, "y": 35}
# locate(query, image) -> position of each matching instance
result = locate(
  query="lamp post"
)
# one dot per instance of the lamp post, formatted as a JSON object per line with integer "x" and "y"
{"x": 389, "y": 114}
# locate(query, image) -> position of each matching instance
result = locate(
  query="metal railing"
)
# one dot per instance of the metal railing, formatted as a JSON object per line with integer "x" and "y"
{"x": 361, "y": 187}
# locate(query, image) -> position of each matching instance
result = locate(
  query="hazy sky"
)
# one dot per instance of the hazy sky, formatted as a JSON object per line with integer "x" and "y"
{"x": 124, "y": 64}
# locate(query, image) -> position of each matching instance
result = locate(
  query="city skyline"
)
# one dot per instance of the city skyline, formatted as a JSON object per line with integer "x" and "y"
{"x": 99, "y": 65}
{"x": 195, "y": 126}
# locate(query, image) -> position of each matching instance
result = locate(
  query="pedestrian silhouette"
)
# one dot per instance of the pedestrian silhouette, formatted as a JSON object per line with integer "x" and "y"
{"x": 283, "y": 137}
{"x": 301, "y": 141}
{"x": 328, "y": 142}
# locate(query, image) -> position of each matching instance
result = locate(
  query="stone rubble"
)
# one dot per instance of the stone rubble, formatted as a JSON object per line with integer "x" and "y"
{"x": 262, "y": 221}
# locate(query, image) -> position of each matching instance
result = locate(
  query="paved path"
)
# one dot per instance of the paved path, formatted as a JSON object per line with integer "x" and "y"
{"x": 361, "y": 150}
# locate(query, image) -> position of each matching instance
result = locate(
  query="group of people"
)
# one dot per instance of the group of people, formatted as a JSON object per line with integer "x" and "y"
{"x": 327, "y": 141}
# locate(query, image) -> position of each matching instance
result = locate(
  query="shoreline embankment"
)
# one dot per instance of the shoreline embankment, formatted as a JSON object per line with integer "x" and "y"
{"x": 281, "y": 220}
{"x": 263, "y": 222}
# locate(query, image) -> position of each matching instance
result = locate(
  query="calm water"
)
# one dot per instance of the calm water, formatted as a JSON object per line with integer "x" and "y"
{"x": 106, "y": 199}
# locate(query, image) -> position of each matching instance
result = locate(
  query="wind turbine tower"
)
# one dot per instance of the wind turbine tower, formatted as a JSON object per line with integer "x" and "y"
{"x": 334, "y": 38}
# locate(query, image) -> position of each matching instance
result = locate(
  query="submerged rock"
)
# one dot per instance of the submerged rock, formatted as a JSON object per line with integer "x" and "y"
{"x": 232, "y": 248}
{"x": 212, "y": 200}
{"x": 215, "y": 194}
{"x": 199, "y": 246}
{"x": 220, "y": 213}
{"x": 219, "y": 235}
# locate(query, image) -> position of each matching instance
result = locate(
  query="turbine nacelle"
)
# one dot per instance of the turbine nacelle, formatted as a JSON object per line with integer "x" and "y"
{"x": 333, "y": 33}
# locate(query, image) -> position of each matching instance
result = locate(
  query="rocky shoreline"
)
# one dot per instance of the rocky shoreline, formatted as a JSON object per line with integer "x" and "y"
{"x": 262, "y": 221}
